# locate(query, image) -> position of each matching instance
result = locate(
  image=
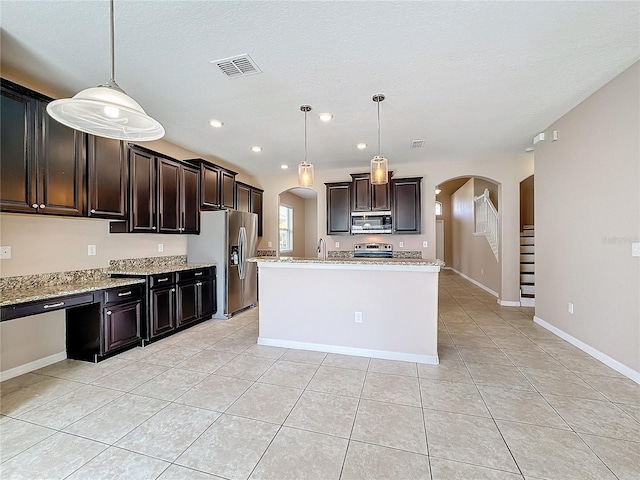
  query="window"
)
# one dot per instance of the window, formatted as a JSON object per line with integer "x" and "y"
{"x": 286, "y": 229}
{"x": 438, "y": 208}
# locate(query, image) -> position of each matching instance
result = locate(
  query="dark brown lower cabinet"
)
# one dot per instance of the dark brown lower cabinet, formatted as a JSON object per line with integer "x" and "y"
{"x": 162, "y": 311}
{"x": 187, "y": 303}
{"x": 122, "y": 325}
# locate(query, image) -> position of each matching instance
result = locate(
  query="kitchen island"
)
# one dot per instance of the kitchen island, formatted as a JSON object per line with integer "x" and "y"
{"x": 383, "y": 308}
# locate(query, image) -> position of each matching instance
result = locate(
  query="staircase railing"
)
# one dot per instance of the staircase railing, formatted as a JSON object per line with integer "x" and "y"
{"x": 487, "y": 221}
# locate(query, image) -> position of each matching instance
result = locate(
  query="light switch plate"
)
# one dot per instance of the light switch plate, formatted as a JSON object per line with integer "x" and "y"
{"x": 270, "y": 244}
{"x": 91, "y": 250}
{"x": 161, "y": 247}
{"x": 635, "y": 249}
{"x": 5, "y": 253}
{"x": 337, "y": 244}
{"x": 400, "y": 244}
{"x": 425, "y": 244}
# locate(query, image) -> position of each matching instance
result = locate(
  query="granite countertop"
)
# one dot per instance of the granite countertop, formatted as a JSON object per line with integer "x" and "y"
{"x": 154, "y": 269}
{"x": 353, "y": 261}
{"x": 30, "y": 293}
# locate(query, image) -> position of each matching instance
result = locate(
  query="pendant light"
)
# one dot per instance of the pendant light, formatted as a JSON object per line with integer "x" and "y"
{"x": 379, "y": 165}
{"x": 305, "y": 169}
{"x": 106, "y": 110}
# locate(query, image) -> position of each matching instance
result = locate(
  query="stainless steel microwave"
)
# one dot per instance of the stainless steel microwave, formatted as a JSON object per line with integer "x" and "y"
{"x": 371, "y": 222}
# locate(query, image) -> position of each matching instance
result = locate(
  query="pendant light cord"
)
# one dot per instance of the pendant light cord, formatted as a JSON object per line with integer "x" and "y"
{"x": 379, "y": 146}
{"x": 113, "y": 56}
{"x": 305, "y": 136}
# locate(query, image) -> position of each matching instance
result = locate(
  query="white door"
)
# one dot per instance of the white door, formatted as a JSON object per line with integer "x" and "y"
{"x": 440, "y": 239}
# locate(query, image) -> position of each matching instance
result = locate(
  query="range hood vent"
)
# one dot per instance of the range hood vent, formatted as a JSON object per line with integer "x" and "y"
{"x": 417, "y": 144}
{"x": 238, "y": 66}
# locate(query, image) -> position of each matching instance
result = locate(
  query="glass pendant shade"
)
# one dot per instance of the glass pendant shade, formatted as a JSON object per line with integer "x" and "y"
{"x": 305, "y": 174}
{"x": 379, "y": 170}
{"x": 106, "y": 111}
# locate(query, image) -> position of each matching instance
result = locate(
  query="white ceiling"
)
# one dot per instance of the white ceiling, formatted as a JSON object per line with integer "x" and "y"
{"x": 474, "y": 79}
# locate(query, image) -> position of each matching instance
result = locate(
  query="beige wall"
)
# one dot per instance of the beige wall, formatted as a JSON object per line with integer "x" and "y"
{"x": 472, "y": 254}
{"x": 587, "y": 207}
{"x": 527, "y": 212}
{"x": 311, "y": 226}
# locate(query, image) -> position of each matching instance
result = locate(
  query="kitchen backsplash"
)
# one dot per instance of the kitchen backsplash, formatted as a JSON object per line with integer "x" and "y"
{"x": 267, "y": 253}
{"x": 137, "y": 263}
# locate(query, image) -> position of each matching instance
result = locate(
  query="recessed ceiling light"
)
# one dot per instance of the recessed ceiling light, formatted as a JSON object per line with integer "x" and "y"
{"x": 215, "y": 123}
{"x": 361, "y": 146}
{"x": 256, "y": 148}
{"x": 284, "y": 166}
{"x": 326, "y": 117}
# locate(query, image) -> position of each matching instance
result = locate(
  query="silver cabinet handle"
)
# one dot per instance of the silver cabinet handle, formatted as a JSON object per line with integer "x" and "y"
{"x": 53, "y": 305}
{"x": 34, "y": 205}
{"x": 197, "y": 274}
{"x": 153, "y": 228}
{"x": 42, "y": 205}
{"x": 124, "y": 294}
{"x": 173, "y": 290}
{"x": 199, "y": 284}
{"x": 109, "y": 312}
{"x": 93, "y": 210}
{"x": 163, "y": 279}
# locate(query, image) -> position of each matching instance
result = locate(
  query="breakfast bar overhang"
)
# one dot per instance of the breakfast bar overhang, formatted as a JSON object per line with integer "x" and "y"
{"x": 375, "y": 308}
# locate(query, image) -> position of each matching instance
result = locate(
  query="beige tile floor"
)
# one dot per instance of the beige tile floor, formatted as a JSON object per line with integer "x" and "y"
{"x": 509, "y": 400}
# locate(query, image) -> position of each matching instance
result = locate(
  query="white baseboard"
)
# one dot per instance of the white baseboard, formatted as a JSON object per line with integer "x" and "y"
{"x": 597, "y": 354}
{"x": 359, "y": 352}
{"x": 509, "y": 303}
{"x": 31, "y": 366}
{"x": 527, "y": 302}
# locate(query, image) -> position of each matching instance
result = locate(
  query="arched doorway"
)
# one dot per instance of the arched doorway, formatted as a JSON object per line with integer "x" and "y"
{"x": 297, "y": 222}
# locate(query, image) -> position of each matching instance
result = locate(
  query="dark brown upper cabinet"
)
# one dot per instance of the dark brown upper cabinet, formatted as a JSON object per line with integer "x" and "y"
{"x": 43, "y": 161}
{"x": 178, "y": 197}
{"x": 107, "y": 178}
{"x": 407, "y": 210}
{"x": 338, "y": 208}
{"x": 217, "y": 185}
{"x": 249, "y": 199}
{"x": 367, "y": 197}
{"x": 142, "y": 191}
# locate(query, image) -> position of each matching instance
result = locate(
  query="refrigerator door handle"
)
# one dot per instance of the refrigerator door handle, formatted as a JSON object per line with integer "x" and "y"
{"x": 242, "y": 247}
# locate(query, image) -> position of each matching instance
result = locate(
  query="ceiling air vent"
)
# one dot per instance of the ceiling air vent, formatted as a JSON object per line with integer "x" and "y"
{"x": 239, "y": 66}
{"x": 417, "y": 144}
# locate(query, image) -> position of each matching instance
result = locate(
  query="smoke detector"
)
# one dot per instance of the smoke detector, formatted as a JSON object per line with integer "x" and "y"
{"x": 417, "y": 143}
{"x": 238, "y": 66}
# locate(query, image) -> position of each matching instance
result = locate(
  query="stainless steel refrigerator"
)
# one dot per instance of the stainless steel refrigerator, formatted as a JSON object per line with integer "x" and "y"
{"x": 229, "y": 238}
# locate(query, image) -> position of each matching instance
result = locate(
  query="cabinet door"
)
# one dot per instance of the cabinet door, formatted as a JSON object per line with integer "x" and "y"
{"x": 17, "y": 146}
{"x": 168, "y": 196}
{"x": 256, "y": 207}
{"x": 190, "y": 200}
{"x": 407, "y": 211}
{"x": 228, "y": 190}
{"x": 187, "y": 303}
{"x": 361, "y": 190}
{"x": 381, "y": 196}
{"x": 107, "y": 172}
{"x": 243, "y": 197}
{"x": 338, "y": 208}
{"x": 163, "y": 311}
{"x": 210, "y": 185}
{"x": 142, "y": 183}
{"x": 122, "y": 325}
{"x": 61, "y": 166}
{"x": 207, "y": 294}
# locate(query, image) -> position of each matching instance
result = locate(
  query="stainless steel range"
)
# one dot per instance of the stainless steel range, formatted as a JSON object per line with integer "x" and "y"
{"x": 373, "y": 250}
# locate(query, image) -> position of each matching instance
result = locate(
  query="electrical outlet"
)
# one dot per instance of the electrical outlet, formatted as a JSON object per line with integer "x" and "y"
{"x": 570, "y": 308}
{"x": 635, "y": 249}
{"x": 337, "y": 244}
{"x": 91, "y": 250}
{"x": 5, "y": 253}
{"x": 161, "y": 247}
{"x": 400, "y": 244}
{"x": 270, "y": 244}
{"x": 358, "y": 317}
{"x": 425, "y": 244}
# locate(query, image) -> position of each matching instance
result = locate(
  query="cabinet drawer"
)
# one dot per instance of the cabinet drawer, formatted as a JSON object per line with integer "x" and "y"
{"x": 33, "y": 308}
{"x": 189, "y": 275}
{"x": 128, "y": 293}
{"x": 162, "y": 280}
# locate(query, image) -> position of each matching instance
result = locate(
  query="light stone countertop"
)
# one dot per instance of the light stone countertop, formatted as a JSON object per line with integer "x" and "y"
{"x": 13, "y": 296}
{"x": 414, "y": 262}
{"x": 143, "y": 270}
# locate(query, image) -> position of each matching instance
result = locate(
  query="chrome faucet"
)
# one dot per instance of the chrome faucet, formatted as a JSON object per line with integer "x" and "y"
{"x": 322, "y": 248}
